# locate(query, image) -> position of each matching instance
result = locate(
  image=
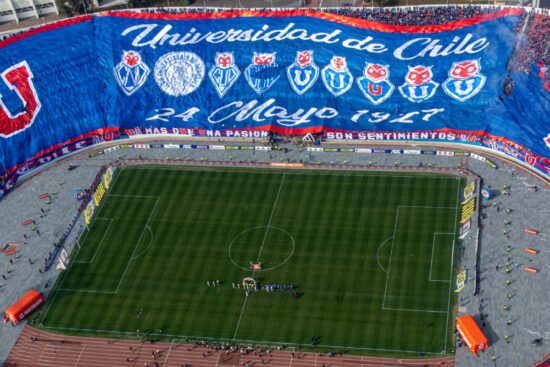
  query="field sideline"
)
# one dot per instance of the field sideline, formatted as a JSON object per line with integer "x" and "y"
{"x": 370, "y": 254}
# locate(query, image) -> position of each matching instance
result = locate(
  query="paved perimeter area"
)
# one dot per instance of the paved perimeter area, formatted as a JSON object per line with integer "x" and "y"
{"x": 40, "y": 349}
{"x": 530, "y": 291}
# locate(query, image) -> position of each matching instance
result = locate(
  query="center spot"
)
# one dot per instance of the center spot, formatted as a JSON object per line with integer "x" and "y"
{"x": 269, "y": 245}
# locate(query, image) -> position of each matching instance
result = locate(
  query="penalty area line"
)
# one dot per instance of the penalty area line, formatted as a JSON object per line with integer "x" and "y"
{"x": 137, "y": 243}
{"x": 65, "y": 274}
{"x": 412, "y": 310}
{"x": 85, "y": 291}
{"x": 100, "y": 242}
{"x": 432, "y": 258}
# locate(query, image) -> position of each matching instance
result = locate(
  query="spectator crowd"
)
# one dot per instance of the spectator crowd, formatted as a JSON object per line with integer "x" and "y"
{"x": 415, "y": 15}
{"x": 532, "y": 47}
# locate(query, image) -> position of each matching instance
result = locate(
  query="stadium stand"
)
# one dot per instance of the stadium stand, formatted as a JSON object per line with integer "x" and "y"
{"x": 416, "y": 15}
{"x": 533, "y": 46}
{"x": 16, "y": 10}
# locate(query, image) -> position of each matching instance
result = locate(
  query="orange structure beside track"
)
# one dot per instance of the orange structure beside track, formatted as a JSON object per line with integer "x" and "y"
{"x": 471, "y": 333}
{"x": 24, "y": 306}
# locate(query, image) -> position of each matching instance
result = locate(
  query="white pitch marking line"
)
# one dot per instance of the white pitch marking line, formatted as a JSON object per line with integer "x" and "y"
{"x": 451, "y": 270}
{"x": 133, "y": 196}
{"x": 427, "y": 207}
{"x": 80, "y": 355}
{"x": 240, "y": 340}
{"x": 413, "y": 310}
{"x": 269, "y": 222}
{"x": 120, "y": 170}
{"x": 137, "y": 243}
{"x": 60, "y": 285}
{"x": 170, "y": 350}
{"x": 100, "y": 242}
{"x": 391, "y": 252}
{"x": 129, "y": 261}
{"x": 378, "y": 252}
{"x": 65, "y": 274}
{"x": 86, "y": 291}
{"x": 85, "y": 237}
{"x": 305, "y": 171}
{"x": 393, "y": 241}
{"x": 149, "y": 245}
{"x": 261, "y": 249}
{"x": 432, "y": 259}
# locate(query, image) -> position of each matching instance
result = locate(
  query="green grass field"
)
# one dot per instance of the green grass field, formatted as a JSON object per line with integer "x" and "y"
{"x": 371, "y": 254}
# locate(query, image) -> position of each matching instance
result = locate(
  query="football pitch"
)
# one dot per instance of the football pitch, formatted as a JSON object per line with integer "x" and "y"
{"x": 370, "y": 255}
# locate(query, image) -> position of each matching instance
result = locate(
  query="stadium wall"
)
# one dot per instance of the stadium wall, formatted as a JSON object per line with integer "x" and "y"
{"x": 83, "y": 81}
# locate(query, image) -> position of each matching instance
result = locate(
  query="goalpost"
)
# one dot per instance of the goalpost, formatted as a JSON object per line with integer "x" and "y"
{"x": 63, "y": 260}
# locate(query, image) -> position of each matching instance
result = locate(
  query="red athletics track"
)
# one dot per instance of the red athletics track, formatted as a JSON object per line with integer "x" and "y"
{"x": 53, "y": 350}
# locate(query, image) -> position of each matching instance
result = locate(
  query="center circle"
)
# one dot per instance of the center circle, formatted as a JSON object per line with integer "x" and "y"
{"x": 271, "y": 246}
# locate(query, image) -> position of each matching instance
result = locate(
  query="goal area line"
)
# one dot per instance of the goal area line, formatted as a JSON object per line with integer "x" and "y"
{"x": 65, "y": 274}
{"x": 399, "y": 207}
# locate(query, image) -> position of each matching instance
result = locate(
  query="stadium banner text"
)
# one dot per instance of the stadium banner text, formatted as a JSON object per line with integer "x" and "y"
{"x": 252, "y": 73}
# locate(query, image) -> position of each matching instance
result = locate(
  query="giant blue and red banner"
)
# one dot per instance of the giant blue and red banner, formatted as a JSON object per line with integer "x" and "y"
{"x": 74, "y": 83}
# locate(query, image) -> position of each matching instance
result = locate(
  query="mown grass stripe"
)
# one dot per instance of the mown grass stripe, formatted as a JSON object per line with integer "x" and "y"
{"x": 338, "y": 221}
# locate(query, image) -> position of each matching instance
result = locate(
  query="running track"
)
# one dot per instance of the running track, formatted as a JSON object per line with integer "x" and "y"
{"x": 53, "y": 350}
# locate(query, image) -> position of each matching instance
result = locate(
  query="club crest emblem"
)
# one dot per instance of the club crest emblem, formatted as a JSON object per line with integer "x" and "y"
{"x": 375, "y": 83}
{"x": 419, "y": 86}
{"x": 131, "y": 72}
{"x": 531, "y": 159}
{"x": 473, "y": 138}
{"x": 263, "y": 72}
{"x": 303, "y": 73}
{"x": 336, "y": 76}
{"x": 179, "y": 73}
{"x": 547, "y": 141}
{"x": 224, "y": 73}
{"x": 465, "y": 80}
{"x": 97, "y": 139}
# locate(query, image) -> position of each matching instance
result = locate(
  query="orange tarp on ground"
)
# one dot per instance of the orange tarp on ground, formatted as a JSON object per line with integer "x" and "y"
{"x": 24, "y": 306}
{"x": 471, "y": 333}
